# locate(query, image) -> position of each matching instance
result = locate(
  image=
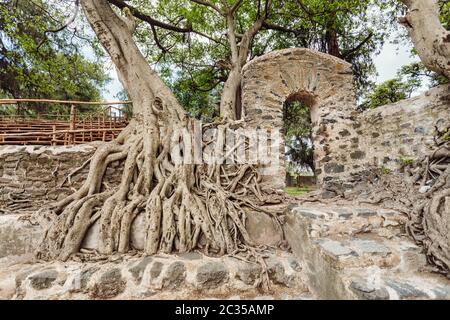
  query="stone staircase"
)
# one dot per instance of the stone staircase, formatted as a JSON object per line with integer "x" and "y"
{"x": 360, "y": 253}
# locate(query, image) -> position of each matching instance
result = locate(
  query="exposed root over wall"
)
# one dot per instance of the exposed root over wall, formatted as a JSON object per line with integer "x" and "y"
{"x": 186, "y": 206}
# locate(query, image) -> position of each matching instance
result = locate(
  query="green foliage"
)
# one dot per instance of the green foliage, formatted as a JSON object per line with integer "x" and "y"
{"x": 37, "y": 63}
{"x": 444, "y": 6}
{"x": 404, "y": 161}
{"x": 196, "y": 67}
{"x": 444, "y": 135}
{"x": 298, "y": 141}
{"x": 408, "y": 79}
{"x": 387, "y": 92}
{"x": 297, "y": 191}
{"x": 385, "y": 170}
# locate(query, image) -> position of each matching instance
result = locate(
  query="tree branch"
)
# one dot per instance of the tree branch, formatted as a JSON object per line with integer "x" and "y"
{"x": 210, "y": 5}
{"x": 156, "y": 23}
{"x": 66, "y": 24}
{"x": 350, "y": 52}
{"x": 235, "y": 6}
{"x": 144, "y": 17}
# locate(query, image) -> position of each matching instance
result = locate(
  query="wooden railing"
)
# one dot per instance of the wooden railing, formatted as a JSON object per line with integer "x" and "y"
{"x": 51, "y": 129}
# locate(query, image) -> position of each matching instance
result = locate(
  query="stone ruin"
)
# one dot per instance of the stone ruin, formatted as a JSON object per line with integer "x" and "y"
{"x": 338, "y": 250}
{"x": 346, "y": 141}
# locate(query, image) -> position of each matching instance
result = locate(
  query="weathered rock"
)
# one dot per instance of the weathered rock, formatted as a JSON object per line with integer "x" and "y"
{"x": 138, "y": 270}
{"x": 309, "y": 214}
{"x": 365, "y": 212}
{"x": 109, "y": 285}
{"x": 43, "y": 280}
{"x": 335, "y": 248}
{"x": 294, "y": 264}
{"x": 262, "y": 229}
{"x": 327, "y": 194}
{"x": 369, "y": 246}
{"x": 82, "y": 281}
{"x": 276, "y": 272}
{"x": 366, "y": 292}
{"x": 249, "y": 273}
{"x": 405, "y": 290}
{"x": 17, "y": 236}
{"x": 190, "y": 256}
{"x": 174, "y": 276}
{"x": 156, "y": 269}
{"x": 211, "y": 275}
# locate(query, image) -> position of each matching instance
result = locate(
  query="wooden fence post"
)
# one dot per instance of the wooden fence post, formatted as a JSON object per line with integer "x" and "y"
{"x": 54, "y": 135}
{"x": 73, "y": 119}
{"x": 91, "y": 127}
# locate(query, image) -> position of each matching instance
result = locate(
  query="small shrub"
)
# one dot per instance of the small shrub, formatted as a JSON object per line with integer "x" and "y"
{"x": 404, "y": 161}
{"x": 385, "y": 170}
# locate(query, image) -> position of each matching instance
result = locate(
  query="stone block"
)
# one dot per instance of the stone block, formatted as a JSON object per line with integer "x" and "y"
{"x": 43, "y": 280}
{"x": 110, "y": 285}
{"x": 18, "y": 236}
{"x": 248, "y": 272}
{"x": 174, "y": 276}
{"x": 211, "y": 275}
{"x": 365, "y": 213}
{"x": 334, "y": 248}
{"x": 365, "y": 291}
{"x": 369, "y": 246}
{"x": 262, "y": 229}
{"x": 156, "y": 269}
{"x": 406, "y": 290}
{"x": 138, "y": 270}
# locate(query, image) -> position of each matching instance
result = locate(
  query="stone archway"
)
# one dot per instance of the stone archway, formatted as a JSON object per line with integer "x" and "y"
{"x": 326, "y": 82}
{"x": 297, "y": 134}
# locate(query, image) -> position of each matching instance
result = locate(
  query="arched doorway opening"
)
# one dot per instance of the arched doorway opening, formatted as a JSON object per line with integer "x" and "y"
{"x": 299, "y": 147}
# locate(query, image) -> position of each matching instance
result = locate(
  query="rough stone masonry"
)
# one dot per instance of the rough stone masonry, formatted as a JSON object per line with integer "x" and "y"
{"x": 346, "y": 142}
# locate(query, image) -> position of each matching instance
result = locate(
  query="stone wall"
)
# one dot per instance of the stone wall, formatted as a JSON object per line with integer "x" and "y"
{"x": 33, "y": 174}
{"x": 323, "y": 82}
{"x": 403, "y": 129}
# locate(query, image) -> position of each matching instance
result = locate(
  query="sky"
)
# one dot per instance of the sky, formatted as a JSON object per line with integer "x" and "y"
{"x": 391, "y": 58}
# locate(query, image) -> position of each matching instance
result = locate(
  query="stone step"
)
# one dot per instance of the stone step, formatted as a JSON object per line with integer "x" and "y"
{"x": 360, "y": 253}
{"x": 186, "y": 276}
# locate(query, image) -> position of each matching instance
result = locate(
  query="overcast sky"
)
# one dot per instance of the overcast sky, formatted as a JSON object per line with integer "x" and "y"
{"x": 391, "y": 58}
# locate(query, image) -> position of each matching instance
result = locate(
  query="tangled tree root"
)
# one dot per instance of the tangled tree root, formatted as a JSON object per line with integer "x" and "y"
{"x": 186, "y": 206}
{"x": 422, "y": 191}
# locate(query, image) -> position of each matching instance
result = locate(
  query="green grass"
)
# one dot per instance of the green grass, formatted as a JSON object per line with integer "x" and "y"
{"x": 297, "y": 191}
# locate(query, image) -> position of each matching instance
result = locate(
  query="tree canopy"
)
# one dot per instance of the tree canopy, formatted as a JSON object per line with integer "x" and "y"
{"x": 197, "y": 64}
{"x": 40, "y": 57}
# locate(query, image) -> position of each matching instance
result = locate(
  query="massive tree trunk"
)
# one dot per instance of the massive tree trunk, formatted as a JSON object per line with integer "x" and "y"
{"x": 182, "y": 202}
{"x": 430, "y": 39}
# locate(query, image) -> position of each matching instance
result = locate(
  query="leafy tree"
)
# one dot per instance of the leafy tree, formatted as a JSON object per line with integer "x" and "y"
{"x": 388, "y": 92}
{"x": 408, "y": 79}
{"x": 188, "y": 40}
{"x": 37, "y": 62}
{"x": 298, "y": 141}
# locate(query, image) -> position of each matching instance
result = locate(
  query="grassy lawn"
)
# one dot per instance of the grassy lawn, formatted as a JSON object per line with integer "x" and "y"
{"x": 297, "y": 191}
